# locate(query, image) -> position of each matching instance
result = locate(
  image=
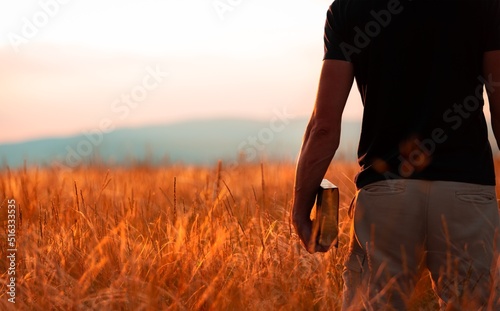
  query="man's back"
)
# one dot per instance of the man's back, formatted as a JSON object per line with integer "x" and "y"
{"x": 418, "y": 66}
{"x": 426, "y": 196}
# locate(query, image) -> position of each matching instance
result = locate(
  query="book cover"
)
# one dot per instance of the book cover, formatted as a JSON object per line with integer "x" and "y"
{"x": 325, "y": 215}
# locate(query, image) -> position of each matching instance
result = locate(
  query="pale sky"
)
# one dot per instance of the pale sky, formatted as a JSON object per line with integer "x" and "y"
{"x": 66, "y": 65}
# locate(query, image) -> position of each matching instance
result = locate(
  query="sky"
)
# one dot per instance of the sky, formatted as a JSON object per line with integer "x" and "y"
{"x": 69, "y": 66}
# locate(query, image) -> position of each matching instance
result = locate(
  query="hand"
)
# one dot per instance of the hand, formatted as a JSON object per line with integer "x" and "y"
{"x": 303, "y": 227}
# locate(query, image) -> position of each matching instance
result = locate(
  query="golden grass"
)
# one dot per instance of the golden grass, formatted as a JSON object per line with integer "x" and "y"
{"x": 171, "y": 238}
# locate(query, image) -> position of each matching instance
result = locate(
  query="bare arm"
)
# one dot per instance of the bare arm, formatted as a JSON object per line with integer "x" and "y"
{"x": 491, "y": 72}
{"x": 321, "y": 140}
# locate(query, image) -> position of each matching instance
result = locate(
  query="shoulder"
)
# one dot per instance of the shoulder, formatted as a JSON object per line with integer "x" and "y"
{"x": 346, "y": 7}
{"x": 346, "y": 13}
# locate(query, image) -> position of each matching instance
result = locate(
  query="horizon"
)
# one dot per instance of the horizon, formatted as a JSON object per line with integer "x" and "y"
{"x": 194, "y": 142}
{"x": 200, "y": 119}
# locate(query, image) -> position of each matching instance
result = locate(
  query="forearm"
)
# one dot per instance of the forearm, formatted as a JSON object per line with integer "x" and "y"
{"x": 495, "y": 126}
{"x": 491, "y": 73}
{"x": 494, "y": 99}
{"x": 318, "y": 149}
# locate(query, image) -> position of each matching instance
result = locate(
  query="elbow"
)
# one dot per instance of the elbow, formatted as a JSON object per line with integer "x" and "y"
{"x": 327, "y": 132}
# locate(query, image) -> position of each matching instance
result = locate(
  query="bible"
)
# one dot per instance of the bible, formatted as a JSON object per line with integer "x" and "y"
{"x": 325, "y": 215}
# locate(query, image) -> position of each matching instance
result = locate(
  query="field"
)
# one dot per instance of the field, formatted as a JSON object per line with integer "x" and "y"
{"x": 167, "y": 238}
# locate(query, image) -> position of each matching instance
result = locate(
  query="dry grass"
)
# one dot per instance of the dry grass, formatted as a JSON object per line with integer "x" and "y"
{"x": 173, "y": 238}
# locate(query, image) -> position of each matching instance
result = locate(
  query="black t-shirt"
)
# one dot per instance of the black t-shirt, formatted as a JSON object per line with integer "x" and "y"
{"x": 418, "y": 67}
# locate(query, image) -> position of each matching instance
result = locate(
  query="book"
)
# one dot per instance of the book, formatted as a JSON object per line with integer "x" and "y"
{"x": 325, "y": 215}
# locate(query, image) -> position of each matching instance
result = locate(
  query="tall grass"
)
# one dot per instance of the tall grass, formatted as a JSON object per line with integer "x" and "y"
{"x": 172, "y": 238}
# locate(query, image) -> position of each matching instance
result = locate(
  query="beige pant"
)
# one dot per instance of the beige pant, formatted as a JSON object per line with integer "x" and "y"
{"x": 402, "y": 227}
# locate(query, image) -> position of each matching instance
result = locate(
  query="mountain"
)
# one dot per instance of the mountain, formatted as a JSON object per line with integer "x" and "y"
{"x": 192, "y": 142}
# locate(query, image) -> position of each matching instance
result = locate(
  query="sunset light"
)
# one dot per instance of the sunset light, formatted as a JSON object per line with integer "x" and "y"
{"x": 257, "y": 155}
{"x": 223, "y": 58}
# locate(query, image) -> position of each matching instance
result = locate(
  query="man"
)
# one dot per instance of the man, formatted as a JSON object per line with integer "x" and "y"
{"x": 426, "y": 185}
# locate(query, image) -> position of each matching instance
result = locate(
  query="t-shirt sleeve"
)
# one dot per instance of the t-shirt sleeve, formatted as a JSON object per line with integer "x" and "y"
{"x": 334, "y": 33}
{"x": 492, "y": 31}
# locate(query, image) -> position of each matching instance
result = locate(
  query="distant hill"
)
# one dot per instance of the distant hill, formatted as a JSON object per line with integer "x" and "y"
{"x": 191, "y": 142}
